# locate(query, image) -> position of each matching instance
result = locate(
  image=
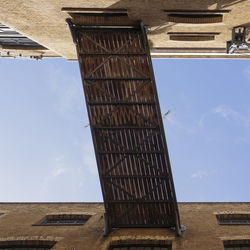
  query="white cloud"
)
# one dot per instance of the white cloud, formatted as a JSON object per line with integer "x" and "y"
{"x": 58, "y": 171}
{"x": 229, "y": 113}
{"x": 67, "y": 91}
{"x": 225, "y": 112}
{"x": 202, "y": 173}
{"x": 201, "y": 122}
{"x": 199, "y": 174}
{"x": 171, "y": 120}
{"x": 55, "y": 172}
{"x": 59, "y": 167}
{"x": 64, "y": 172}
{"x": 88, "y": 158}
{"x": 59, "y": 158}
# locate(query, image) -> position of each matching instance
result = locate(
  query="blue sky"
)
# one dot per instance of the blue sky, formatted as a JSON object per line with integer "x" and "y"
{"x": 46, "y": 151}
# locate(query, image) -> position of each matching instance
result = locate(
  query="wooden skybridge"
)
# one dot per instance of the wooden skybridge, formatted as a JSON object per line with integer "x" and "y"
{"x": 125, "y": 121}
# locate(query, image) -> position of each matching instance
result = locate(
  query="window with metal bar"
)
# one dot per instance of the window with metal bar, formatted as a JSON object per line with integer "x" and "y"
{"x": 238, "y": 247}
{"x": 237, "y": 244}
{"x": 27, "y": 245}
{"x": 63, "y": 219}
{"x": 24, "y": 248}
{"x": 194, "y": 18}
{"x": 140, "y": 247}
{"x": 233, "y": 219}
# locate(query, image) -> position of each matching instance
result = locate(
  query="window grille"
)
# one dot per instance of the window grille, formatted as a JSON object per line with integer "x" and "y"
{"x": 237, "y": 244}
{"x": 191, "y": 38}
{"x": 233, "y": 219}
{"x": 238, "y": 247}
{"x": 63, "y": 219}
{"x": 195, "y": 18}
{"x": 140, "y": 247}
{"x": 25, "y": 248}
{"x": 63, "y": 222}
{"x": 27, "y": 245}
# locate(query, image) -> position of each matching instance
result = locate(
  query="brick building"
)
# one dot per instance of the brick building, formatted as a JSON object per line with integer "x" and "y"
{"x": 140, "y": 210}
{"x": 74, "y": 226}
{"x": 177, "y": 28}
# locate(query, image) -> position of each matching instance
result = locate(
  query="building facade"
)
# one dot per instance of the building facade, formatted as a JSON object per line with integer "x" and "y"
{"x": 79, "y": 226}
{"x": 177, "y": 29}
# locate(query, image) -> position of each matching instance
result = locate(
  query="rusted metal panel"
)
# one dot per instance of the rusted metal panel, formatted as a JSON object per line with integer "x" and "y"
{"x": 126, "y": 126}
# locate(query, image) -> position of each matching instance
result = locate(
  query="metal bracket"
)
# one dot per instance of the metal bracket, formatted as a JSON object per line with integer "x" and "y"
{"x": 106, "y": 224}
{"x": 238, "y": 42}
{"x": 179, "y": 230}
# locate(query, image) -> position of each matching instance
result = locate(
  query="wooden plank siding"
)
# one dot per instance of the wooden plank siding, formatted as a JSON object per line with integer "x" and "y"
{"x": 126, "y": 125}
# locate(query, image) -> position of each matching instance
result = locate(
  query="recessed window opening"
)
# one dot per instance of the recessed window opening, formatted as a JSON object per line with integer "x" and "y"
{"x": 237, "y": 245}
{"x": 195, "y": 18}
{"x": 27, "y": 245}
{"x": 63, "y": 219}
{"x": 191, "y": 38}
{"x": 141, "y": 247}
{"x": 206, "y": 11}
{"x": 233, "y": 219}
{"x": 19, "y": 247}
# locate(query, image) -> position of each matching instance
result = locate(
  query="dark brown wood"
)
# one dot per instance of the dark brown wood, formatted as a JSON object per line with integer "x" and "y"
{"x": 126, "y": 126}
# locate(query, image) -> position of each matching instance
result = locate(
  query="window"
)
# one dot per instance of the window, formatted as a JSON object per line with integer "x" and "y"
{"x": 27, "y": 245}
{"x": 9, "y": 37}
{"x": 237, "y": 245}
{"x": 194, "y": 18}
{"x": 63, "y": 219}
{"x": 233, "y": 219}
{"x": 20, "y": 247}
{"x": 191, "y": 36}
{"x": 140, "y": 247}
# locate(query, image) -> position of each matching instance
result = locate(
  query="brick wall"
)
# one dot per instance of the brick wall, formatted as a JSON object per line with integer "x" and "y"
{"x": 202, "y": 233}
